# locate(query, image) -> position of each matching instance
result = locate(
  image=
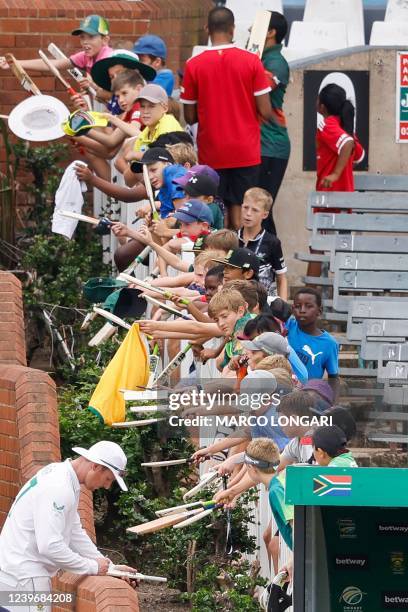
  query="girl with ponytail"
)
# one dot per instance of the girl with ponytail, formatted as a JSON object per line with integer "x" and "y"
{"x": 337, "y": 146}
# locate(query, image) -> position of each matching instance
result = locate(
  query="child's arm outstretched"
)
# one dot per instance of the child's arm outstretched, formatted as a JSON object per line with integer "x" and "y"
{"x": 128, "y": 129}
{"x": 125, "y": 194}
{"x": 144, "y": 235}
{"x": 38, "y": 64}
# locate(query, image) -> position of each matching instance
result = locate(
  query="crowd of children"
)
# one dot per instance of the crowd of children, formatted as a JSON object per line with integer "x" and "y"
{"x": 237, "y": 289}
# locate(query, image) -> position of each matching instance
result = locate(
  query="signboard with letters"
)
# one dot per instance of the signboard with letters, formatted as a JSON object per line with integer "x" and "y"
{"x": 402, "y": 97}
{"x": 350, "y": 538}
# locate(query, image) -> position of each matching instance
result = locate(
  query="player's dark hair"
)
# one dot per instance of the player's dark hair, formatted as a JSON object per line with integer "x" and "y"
{"x": 279, "y": 24}
{"x": 335, "y": 100}
{"x": 343, "y": 418}
{"x": 217, "y": 271}
{"x": 262, "y": 294}
{"x": 220, "y": 19}
{"x": 310, "y": 291}
{"x": 261, "y": 324}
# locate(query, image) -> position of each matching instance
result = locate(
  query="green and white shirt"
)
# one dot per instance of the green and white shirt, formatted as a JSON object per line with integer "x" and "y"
{"x": 274, "y": 134}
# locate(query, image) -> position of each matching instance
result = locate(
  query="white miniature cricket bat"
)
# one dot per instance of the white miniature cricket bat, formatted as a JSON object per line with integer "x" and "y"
{"x": 259, "y": 31}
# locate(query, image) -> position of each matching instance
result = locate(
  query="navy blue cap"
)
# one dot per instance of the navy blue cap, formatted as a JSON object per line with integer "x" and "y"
{"x": 151, "y": 45}
{"x": 192, "y": 211}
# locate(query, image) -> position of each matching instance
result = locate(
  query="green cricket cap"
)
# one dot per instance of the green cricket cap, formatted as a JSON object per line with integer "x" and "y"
{"x": 94, "y": 25}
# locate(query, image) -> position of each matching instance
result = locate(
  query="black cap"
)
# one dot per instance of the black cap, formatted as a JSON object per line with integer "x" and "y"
{"x": 241, "y": 258}
{"x": 171, "y": 138}
{"x": 280, "y": 309}
{"x": 157, "y": 154}
{"x": 201, "y": 185}
{"x": 330, "y": 439}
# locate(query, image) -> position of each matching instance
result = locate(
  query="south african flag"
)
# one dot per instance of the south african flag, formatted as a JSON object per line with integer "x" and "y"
{"x": 333, "y": 486}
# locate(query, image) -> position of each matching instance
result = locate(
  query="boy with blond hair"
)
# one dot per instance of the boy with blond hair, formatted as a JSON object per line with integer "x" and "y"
{"x": 224, "y": 240}
{"x": 183, "y": 153}
{"x": 230, "y": 312}
{"x": 251, "y": 235}
{"x": 262, "y": 460}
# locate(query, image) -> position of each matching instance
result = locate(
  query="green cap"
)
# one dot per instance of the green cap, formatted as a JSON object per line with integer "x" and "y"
{"x": 81, "y": 121}
{"x": 122, "y": 57}
{"x": 96, "y": 290}
{"x": 93, "y": 25}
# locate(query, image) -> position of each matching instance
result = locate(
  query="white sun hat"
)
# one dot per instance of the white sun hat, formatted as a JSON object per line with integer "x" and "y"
{"x": 38, "y": 118}
{"x": 108, "y": 454}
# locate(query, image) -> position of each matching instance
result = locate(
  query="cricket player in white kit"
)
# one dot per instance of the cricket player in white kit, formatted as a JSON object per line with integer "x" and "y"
{"x": 43, "y": 533}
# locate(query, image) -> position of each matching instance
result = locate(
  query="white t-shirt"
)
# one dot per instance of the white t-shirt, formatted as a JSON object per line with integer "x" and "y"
{"x": 299, "y": 450}
{"x": 43, "y": 532}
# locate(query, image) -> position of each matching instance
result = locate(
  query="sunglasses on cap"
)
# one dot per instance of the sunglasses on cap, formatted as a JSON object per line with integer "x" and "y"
{"x": 259, "y": 463}
{"x": 81, "y": 121}
{"x": 121, "y": 472}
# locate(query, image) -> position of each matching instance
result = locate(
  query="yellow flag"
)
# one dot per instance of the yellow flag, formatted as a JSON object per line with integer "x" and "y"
{"x": 128, "y": 369}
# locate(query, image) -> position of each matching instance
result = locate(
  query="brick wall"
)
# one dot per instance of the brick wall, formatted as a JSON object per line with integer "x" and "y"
{"x": 26, "y": 27}
{"x": 12, "y": 339}
{"x": 29, "y": 439}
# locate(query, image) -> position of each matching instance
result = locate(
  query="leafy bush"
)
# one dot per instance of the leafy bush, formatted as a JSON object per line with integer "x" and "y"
{"x": 235, "y": 588}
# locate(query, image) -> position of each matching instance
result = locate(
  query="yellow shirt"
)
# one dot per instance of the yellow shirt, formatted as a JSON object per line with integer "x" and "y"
{"x": 168, "y": 123}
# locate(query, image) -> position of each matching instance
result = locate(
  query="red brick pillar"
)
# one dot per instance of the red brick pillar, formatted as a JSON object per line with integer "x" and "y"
{"x": 29, "y": 439}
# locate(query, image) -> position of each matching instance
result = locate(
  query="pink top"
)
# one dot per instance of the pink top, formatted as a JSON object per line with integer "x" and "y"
{"x": 81, "y": 60}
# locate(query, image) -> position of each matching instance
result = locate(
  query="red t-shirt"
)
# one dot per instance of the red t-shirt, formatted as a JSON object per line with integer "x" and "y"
{"x": 330, "y": 139}
{"x": 133, "y": 114}
{"x": 223, "y": 81}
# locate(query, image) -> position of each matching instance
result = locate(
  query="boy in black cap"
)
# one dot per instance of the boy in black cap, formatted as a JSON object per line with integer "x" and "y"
{"x": 240, "y": 264}
{"x": 329, "y": 447}
{"x": 203, "y": 187}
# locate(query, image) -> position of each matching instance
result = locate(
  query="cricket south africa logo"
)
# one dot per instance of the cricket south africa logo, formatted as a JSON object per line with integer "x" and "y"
{"x": 332, "y": 486}
{"x": 351, "y": 598}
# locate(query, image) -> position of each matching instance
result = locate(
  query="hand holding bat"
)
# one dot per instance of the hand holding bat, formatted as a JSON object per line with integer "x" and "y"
{"x": 57, "y": 73}
{"x": 4, "y": 65}
{"x": 201, "y": 455}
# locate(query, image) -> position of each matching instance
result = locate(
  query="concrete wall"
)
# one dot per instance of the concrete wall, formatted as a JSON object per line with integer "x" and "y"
{"x": 386, "y": 156}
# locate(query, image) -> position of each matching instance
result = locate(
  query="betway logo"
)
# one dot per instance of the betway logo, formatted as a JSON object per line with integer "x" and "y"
{"x": 395, "y": 600}
{"x": 343, "y": 561}
{"x": 398, "y": 528}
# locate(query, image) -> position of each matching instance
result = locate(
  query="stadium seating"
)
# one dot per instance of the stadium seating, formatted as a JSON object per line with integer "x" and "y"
{"x": 380, "y": 182}
{"x": 397, "y": 10}
{"x": 365, "y": 257}
{"x": 389, "y": 33}
{"x": 311, "y": 38}
{"x": 348, "y": 12}
{"x": 394, "y": 29}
